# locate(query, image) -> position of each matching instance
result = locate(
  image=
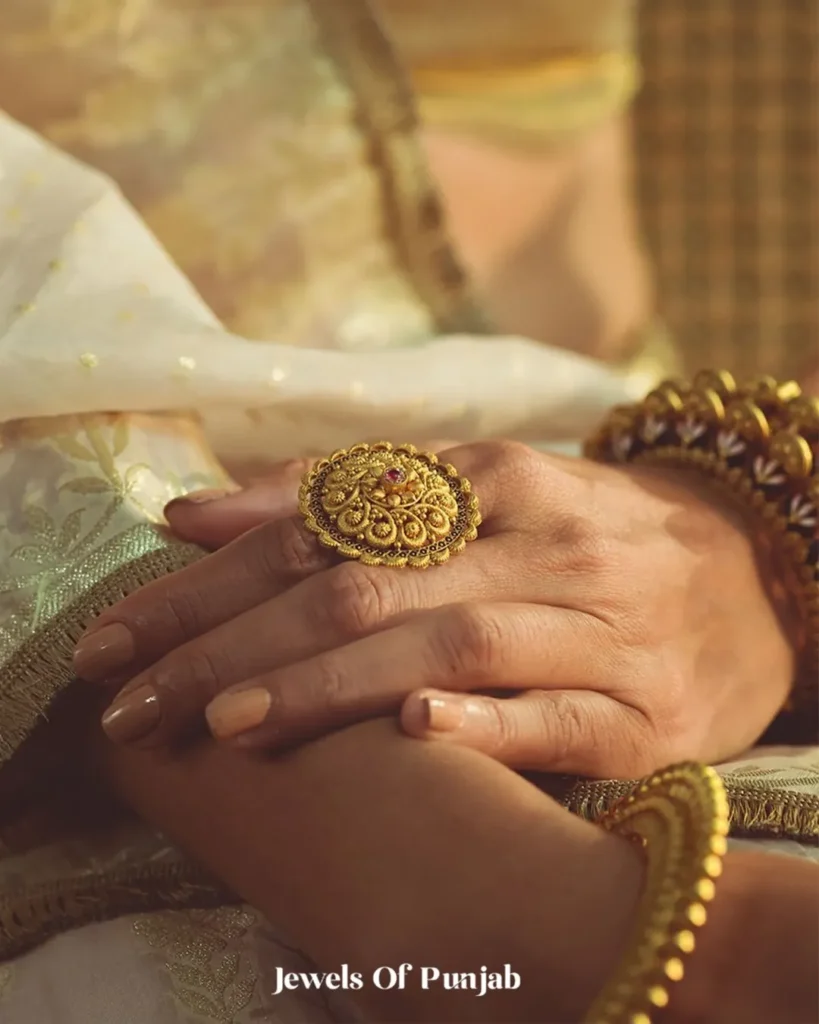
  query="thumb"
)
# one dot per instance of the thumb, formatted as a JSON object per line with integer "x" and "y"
{"x": 577, "y": 732}
{"x": 215, "y": 518}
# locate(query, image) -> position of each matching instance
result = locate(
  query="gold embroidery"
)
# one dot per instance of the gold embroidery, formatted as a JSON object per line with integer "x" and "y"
{"x": 211, "y": 980}
{"x": 37, "y": 912}
{"x": 81, "y": 525}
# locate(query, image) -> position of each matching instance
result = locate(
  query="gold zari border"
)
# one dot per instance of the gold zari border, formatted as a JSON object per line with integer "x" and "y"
{"x": 388, "y": 118}
{"x": 51, "y": 908}
{"x": 41, "y": 668}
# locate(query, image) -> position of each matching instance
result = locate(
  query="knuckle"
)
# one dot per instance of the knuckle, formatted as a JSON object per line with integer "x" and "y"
{"x": 184, "y": 610}
{"x": 205, "y": 672}
{"x": 285, "y": 548}
{"x": 502, "y": 727}
{"x": 585, "y": 549}
{"x": 508, "y": 462}
{"x": 509, "y": 455}
{"x": 190, "y": 678}
{"x": 296, "y": 467}
{"x": 562, "y": 721}
{"x": 470, "y": 642}
{"x": 329, "y": 683}
{"x": 357, "y": 600}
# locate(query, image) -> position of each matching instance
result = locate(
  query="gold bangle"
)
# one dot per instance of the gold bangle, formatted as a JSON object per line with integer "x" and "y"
{"x": 679, "y": 816}
{"x": 760, "y": 443}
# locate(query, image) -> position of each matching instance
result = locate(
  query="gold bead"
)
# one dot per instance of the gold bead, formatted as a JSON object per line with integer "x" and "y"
{"x": 712, "y": 865}
{"x": 685, "y": 941}
{"x": 674, "y": 969}
{"x": 696, "y": 914}
{"x": 658, "y": 996}
{"x": 720, "y": 380}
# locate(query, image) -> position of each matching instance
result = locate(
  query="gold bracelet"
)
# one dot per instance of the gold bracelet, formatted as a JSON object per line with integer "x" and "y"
{"x": 679, "y": 816}
{"x": 761, "y": 444}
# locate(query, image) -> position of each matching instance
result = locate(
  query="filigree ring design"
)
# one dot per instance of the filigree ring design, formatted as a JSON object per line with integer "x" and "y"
{"x": 386, "y": 505}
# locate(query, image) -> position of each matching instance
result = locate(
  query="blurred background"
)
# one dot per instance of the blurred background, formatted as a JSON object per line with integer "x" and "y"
{"x": 727, "y": 135}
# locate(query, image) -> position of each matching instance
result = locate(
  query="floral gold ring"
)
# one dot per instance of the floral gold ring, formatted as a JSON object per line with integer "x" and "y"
{"x": 385, "y": 505}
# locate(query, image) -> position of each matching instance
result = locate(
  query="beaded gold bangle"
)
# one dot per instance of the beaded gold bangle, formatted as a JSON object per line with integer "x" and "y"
{"x": 761, "y": 443}
{"x": 679, "y": 816}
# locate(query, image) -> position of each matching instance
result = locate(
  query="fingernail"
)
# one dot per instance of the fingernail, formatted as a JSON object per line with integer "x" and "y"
{"x": 444, "y": 714}
{"x": 198, "y": 498}
{"x": 232, "y": 713}
{"x": 103, "y": 652}
{"x": 133, "y": 716}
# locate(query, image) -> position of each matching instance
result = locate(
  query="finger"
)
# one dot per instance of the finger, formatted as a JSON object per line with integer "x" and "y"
{"x": 255, "y": 567}
{"x": 215, "y": 518}
{"x": 578, "y": 732}
{"x": 170, "y": 611}
{"x": 462, "y": 647}
{"x": 326, "y": 611}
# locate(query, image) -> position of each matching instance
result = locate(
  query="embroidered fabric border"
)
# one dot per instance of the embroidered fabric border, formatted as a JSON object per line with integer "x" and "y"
{"x": 388, "y": 117}
{"x": 41, "y": 667}
{"x": 755, "y": 811}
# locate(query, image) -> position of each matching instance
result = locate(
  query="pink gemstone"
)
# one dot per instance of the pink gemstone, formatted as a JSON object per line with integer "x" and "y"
{"x": 394, "y": 475}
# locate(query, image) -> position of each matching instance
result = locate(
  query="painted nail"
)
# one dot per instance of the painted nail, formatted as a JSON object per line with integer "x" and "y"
{"x": 133, "y": 716}
{"x": 444, "y": 714}
{"x": 199, "y": 498}
{"x": 230, "y": 714}
{"x": 104, "y": 652}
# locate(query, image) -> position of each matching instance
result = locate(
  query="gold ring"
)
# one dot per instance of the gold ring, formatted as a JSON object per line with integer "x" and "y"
{"x": 386, "y": 505}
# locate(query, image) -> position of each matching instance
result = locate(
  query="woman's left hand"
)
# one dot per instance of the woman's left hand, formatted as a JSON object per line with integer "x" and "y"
{"x": 623, "y": 611}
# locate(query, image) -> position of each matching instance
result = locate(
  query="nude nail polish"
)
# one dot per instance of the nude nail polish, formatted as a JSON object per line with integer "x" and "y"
{"x": 445, "y": 714}
{"x": 230, "y": 714}
{"x": 199, "y": 498}
{"x": 104, "y": 652}
{"x": 132, "y": 717}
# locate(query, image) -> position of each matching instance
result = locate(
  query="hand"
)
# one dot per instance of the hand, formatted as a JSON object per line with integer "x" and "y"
{"x": 622, "y": 611}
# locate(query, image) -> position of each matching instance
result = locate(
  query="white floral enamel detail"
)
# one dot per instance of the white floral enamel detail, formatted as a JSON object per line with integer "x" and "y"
{"x": 652, "y": 429}
{"x": 621, "y": 446}
{"x": 729, "y": 443}
{"x": 802, "y": 512}
{"x": 689, "y": 430}
{"x": 767, "y": 472}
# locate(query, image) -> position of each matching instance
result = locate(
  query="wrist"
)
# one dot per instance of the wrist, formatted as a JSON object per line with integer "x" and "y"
{"x": 756, "y": 957}
{"x": 756, "y": 444}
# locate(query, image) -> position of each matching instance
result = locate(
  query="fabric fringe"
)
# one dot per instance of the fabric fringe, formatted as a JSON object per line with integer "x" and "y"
{"x": 49, "y": 909}
{"x": 41, "y": 668}
{"x": 755, "y": 812}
